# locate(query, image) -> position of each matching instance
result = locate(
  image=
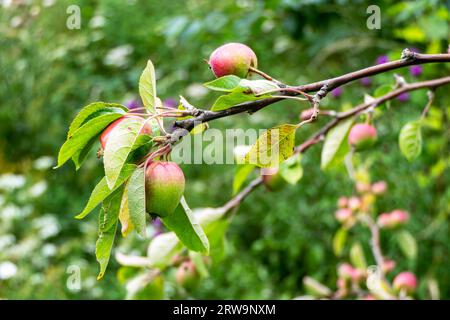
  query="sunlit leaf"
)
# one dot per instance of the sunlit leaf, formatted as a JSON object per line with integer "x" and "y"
{"x": 242, "y": 172}
{"x": 339, "y": 240}
{"x": 91, "y": 110}
{"x": 291, "y": 170}
{"x": 333, "y": 140}
{"x": 108, "y": 218}
{"x": 136, "y": 201}
{"x": 410, "y": 140}
{"x": 272, "y": 147}
{"x": 186, "y": 227}
{"x": 225, "y": 83}
{"x": 147, "y": 87}
{"x": 234, "y": 98}
{"x": 83, "y": 135}
{"x": 357, "y": 256}
{"x": 121, "y": 142}
{"x": 407, "y": 244}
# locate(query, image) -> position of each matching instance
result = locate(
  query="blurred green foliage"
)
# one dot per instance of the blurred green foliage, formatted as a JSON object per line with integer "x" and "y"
{"x": 48, "y": 72}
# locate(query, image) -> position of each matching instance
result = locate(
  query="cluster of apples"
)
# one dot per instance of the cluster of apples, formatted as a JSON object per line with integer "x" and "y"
{"x": 165, "y": 182}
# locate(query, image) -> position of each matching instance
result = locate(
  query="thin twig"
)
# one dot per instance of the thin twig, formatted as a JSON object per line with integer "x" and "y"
{"x": 430, "y": 95}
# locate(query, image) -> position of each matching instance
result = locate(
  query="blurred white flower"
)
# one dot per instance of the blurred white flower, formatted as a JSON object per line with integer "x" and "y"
{"x": 268, "y": 26}
{"x": 48, "y": 3}
{"x": 118, "y": 56}
{"x": 49, "y": 250}
{"x": 97, "y": 22}
{"x": 43, "y": 163}
{"x": 35, "y": 10}
{"x": 6, "y": 240}
{"x": 10, "y": 212}
{"x": 282, "y": 44}
{"x": 196, "y": 90}
{"x": 7, "y": 270}
{"x": 16, "y": 21}
{"x": 6, "y": 3}
{"x": 38, "y": 189}
{"x": 48, "y": 226}
{"x": 11, "y": 181}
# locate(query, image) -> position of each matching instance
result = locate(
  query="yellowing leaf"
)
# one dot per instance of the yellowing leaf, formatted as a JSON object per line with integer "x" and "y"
{"x": 410, "y": 140}
{"x": 272, "y": 147}
{"x": 333, "y": 141}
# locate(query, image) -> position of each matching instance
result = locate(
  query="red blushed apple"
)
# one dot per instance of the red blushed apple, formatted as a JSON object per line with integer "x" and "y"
{"x": 362, "y": 136}
{"x": 164, "y": 187}
{"x": 105, "y": 134}
{"x": 232, "y": 59}
{"x": 187, "y": 275}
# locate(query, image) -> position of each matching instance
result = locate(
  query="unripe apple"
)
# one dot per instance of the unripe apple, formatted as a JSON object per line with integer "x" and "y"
{"x": 342, "y": 202}
{"x": 147, "y": 129}
{"x": 164, "y": 187}
{"x": 399, "y": 216}
{"x": 272, "y": 179}
{"x": 343, "y": 215}
{"x": 393, "y": 219}
{"x": 405, "y": 281}
{"x": 232, "y": 59}
{"x": 379, "y": 187}
{"x": 186, "y": 275}
{"x": 362, "y": 187}
{"x": 388, "y": 265}
{"x": 354, "y": 203}
{"x": 362, "y": 136}
{"x": 346, "y": 271}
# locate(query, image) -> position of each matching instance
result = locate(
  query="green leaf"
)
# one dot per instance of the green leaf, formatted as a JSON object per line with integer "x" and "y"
{"x": 124, "y": 214}
{"x": 88, "y": 111}
{"x": 407, "y": 244}
{"x": 291, "y": 170}
{"x": 136, "y": 201}
{"x": 257, "y": 87}
{"x": 81, "y": 137}
{"x": 225, "y": 83}
{"x": 233, "y": 84}
{"x": 382, "y": 90}
{"x": 121, "y": 142}
{"x": 234, "y": 98}
{"x": 108, "y": 218}
{"x": 103, "y": 248}
{"x": 410, "y": 140}
{"x": 162, "y": 249}
{"x": 215, "y": 225}
{"x": 187, "y": 229}
{"x": 147, "y": 87}
{"x": 242, "y": 172}
{"x": 357, "y": 256}
{"x": 109, "y": 213}
{"x": 102, "y": 191}
{"x": 79, "y": 157}
{"x": 273, "y": 146}
{"x": 333, "y": 141}
{"x": 339, "y": 240}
